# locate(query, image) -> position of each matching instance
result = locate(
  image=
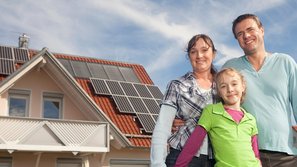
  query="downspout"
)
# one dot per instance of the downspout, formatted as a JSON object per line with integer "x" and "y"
{"x": 38, "y": 159}
{"x": 103, "y": 158}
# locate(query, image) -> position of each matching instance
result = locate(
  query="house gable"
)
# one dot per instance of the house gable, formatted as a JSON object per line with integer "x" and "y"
{"x": 126, "y": 128}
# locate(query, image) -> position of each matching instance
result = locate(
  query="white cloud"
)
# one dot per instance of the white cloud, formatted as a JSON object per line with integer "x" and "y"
{"x": 88, "y": 27}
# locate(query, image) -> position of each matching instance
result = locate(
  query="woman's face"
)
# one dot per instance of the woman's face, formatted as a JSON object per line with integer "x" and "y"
{"x": 201, "y": 56}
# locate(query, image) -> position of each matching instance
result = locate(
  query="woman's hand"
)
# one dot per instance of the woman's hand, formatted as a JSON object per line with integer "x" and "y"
{"x": 176, "y": 124}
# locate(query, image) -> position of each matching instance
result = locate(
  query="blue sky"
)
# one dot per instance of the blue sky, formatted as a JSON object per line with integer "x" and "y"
{"x": 153, "y": 33}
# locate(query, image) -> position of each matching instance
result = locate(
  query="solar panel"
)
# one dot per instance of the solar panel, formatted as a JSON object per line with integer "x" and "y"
{"x": 80, "y": 69}
{"x": 152, "y": 105}
{"x": 6, "y": 52}
{"x": 155, "y": 117}
{"x": 138, "y": 105}
{"x": 114, "y": 87}
{"x": 6, "y": 66}
{"x": 100, "y": 86}
{"x": 155, "y": 91}
{"x": 129, "y": 74}
{"x": 129, "y": 89}
{"x": 123, "y": 104}
{"x": 113, "y": 73}
{"x": 147, "y": 122}
{"x": 158, "y": 101}
{"x": 132, "y": 98}
{"x": 142, "y": 90}
{"x": 21, "y": 55}
{"x": 97, "y": 70}
{"x": 67, "y": 65}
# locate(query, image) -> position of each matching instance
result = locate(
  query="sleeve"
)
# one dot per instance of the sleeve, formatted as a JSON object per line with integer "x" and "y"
{"x": 205, "y": 119}
{"x": 160, "y": 136}
{"x": 255, "y": 129}
{"x": 255, "y": 146}
{"x": 170, "y": 96}
{"x": 293, "y": 86}
{"x": 191, "y": 147}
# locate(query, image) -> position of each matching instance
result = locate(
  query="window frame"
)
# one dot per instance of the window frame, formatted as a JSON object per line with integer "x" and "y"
{"x": 7, "y": 160}
{"x": 19, "y": 94}
{"x": 61, "y": 161}
{"x": 129, "y": 162}
{"x": 53, "y": 97}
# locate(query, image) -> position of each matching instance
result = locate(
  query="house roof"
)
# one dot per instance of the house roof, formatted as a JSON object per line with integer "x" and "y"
{"x": 127, "y": 123}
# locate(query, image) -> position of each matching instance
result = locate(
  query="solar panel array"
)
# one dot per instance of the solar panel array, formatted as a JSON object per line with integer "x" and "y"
{"x": 9, "y": 56}
{"x": 132, "y": 98}
{"x": 97, "y": 70}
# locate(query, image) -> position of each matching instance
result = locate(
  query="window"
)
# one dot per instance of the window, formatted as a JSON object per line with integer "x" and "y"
{"x": 129, "y": 163}
{"x": 18, "y": 102}
{"x": 5, "y": 162}
{"x": 69, "y": 162}
{"x": 52, "y": 105}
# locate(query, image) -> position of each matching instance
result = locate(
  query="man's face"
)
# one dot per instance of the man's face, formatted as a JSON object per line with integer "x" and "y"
{"x": 250, "y": 36}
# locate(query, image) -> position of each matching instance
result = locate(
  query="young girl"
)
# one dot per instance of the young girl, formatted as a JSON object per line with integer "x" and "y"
{"x": 232, "y": 131}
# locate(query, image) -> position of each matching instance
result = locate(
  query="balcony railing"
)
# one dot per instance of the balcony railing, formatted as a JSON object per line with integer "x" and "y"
{"x": 30, "y": 134}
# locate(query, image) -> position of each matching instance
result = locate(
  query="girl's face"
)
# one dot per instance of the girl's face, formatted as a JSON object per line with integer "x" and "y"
{"x": 230, "y": 88}
{"x": 201, "y": 56}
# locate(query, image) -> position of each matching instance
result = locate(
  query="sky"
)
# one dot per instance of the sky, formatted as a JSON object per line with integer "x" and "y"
{"x": 153, "y": 33}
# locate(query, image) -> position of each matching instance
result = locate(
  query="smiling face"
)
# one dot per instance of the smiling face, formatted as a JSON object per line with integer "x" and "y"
{"x": 250, "y": 36}
{"x": 231, "y": 87}
{"x": 201, "y": 56}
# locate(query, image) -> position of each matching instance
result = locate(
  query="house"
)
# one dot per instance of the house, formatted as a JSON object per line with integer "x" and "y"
{"x": 59, "y": 110}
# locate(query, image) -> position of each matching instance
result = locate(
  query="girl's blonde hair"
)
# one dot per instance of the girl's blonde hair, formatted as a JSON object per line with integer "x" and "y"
{"x": 230, "y": 71}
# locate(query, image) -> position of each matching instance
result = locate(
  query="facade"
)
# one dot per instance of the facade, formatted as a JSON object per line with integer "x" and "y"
{"x": 59, "y": 110}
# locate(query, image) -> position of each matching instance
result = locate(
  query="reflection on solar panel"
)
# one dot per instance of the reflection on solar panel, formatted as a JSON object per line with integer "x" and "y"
{"x": 132, "y": 98}
{"x": 146, "y": 121}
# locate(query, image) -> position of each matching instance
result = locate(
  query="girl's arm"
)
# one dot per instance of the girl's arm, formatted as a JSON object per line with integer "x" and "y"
{"x": 191, "y": 147}
{"x": 255, "y": 146}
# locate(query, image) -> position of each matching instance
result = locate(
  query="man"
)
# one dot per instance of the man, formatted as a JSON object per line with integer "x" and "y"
{"x": 271, "y": 95}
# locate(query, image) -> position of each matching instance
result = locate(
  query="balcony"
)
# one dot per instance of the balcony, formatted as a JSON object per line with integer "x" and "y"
{"x": 44, "y": 135}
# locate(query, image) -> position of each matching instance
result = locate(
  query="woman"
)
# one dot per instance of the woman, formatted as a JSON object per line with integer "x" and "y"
{"x": 185, "y": 98}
